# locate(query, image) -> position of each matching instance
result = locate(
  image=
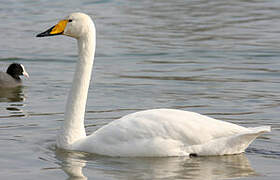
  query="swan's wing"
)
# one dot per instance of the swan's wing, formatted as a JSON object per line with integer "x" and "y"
{"x": 158, "y": 132}
{"x": 188, "y": 127}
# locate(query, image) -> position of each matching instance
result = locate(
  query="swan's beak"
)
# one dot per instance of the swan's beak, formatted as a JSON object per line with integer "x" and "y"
{"x": 58, "y": 29}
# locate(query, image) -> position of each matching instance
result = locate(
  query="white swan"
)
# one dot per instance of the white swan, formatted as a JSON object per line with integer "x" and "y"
{"x": 156, "y": 132}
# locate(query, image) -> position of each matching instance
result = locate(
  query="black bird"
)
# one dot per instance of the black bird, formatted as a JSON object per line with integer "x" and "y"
{"x": 11, "y": 78}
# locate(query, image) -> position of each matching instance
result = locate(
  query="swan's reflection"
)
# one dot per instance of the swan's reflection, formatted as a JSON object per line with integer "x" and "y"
{"x": 72, "y": 164}
{"x": 218, "y": 167}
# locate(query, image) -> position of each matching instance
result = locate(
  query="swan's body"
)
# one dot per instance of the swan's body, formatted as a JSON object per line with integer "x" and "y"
{"x": 157, "y": 132}
{"x": 168, "y": 132}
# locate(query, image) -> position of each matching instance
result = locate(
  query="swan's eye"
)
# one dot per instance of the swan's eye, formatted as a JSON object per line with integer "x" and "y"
{"x": 70, "y": 20}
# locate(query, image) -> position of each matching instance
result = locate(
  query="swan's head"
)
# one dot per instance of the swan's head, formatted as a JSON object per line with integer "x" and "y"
{"x": 75, "y": 25}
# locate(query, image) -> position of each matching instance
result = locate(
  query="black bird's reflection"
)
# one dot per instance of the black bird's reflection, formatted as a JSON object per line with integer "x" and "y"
{"x": 12, "y": 94}
{"x": 13, "y": 99}
{"x": 218, "y": 167}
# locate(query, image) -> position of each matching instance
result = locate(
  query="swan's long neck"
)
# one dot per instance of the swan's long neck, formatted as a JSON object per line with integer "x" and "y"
{"x": 73, "y": 127}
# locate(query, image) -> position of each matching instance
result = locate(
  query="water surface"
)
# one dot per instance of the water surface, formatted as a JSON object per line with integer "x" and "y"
{"x": 219, "y": 58}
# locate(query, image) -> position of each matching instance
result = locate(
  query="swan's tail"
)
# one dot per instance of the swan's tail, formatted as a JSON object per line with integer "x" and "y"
{"x": 234, "y": 144}
{"x": 261, "y": 129}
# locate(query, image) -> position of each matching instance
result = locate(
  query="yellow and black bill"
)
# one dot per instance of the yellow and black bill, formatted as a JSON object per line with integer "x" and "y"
{"x": 58, "y": 29}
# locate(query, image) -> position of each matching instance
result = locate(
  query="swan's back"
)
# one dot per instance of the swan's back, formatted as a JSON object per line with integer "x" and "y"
{"x": 158, "y": 132}
{"x": 168, "y": 123}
